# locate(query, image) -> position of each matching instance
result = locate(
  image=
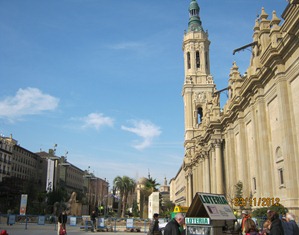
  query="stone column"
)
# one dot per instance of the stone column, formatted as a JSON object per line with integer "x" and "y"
{"x": 219, "y": 168}
{"x": 190, "y": 189}
{"x": 196, "y": 174}
{"x": 289, "y": 144}
{"x": 263, "y": 149}
{"x": 207, "y": 173}
{"x": 213, "y": 178}
{"x": 202, "y": 175}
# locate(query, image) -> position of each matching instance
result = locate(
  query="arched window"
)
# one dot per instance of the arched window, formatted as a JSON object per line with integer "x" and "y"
{"x": 278, "y": 154}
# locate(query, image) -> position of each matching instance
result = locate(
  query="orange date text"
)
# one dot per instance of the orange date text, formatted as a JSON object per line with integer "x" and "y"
{"x": 256, "y": 201}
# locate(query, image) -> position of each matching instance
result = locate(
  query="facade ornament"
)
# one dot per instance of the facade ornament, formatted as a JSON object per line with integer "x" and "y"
{"x": 201, "y": 97}
{"x": 216, "y": 97}
{"x": 210, "y": 79}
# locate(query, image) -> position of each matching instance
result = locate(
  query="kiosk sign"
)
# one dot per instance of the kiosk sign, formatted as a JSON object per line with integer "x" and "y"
{"x": 217, "y": 206}
{"x": 191, "y": 220}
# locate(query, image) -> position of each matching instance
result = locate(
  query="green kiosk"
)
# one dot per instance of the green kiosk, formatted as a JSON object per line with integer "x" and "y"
{"x": 210, "y": 214}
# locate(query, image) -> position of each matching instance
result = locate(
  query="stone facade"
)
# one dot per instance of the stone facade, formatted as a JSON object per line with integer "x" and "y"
{"x": 6, "y": 148}
{"x": 254, "y": 138}
{"x": 178, "y": 188}
{"x": 153, "y": 204}
{"x": 20, "y": 166}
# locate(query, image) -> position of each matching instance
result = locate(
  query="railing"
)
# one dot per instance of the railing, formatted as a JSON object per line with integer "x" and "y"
{"x": 81, "y": 222}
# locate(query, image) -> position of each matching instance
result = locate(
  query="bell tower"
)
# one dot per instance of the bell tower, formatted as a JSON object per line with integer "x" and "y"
{"x": 198, "y": 86}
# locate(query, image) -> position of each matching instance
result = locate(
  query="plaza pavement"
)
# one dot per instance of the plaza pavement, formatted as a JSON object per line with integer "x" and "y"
{"x": 50, "y": 229}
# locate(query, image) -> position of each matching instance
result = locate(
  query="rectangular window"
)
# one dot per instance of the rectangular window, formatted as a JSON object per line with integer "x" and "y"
{"x": 188, "y": 60}
{"x": 254, "y": 184}
{"x": 197, "y": 60}
{"x": 207, "y": 59}
{"x": 280, "y": 175}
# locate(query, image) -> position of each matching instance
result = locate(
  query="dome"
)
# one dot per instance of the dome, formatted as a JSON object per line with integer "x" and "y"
{"x": 193, "y": 5}
{"x": 142, "y": 180}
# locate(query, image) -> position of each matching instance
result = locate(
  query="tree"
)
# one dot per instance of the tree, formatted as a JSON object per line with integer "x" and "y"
{"x": 56, "y": 200}
{"x": 125, "y": 185}
{"x": 262, "y": 212}
{"x": 239, "y": 189}
{"x": 11, "y": 189}
{"x": 151, "y": 185}
{"x": 135, "y": 210}
{"x": 166, "y": 208}
{"x": 239, "y": 192}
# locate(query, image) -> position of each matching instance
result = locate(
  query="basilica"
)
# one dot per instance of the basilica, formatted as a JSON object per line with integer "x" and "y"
{"x": 253, "y": 140}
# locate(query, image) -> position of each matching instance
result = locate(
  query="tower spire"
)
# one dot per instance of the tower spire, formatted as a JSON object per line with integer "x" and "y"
{"x": 194, "y": 20}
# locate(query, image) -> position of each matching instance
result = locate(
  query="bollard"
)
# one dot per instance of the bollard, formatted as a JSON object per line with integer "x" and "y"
{"x": 86, "y": 225}
{"x": 144, "y": 226}
{"x": 25, "y": 221}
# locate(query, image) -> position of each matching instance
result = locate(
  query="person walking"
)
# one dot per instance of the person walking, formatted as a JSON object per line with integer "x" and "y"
{"x": 154, "y": 227}
{"x": 245, "y": 216}
{"x": 93, "y": 220}
{"x": 266, "y": 227}
{"x": 250, "y": 227}
{"x": 291, "y": 225}
{"x": 62, "y": 219}
{"x": 173, "y": 227}
{"x": 276, "y": 224}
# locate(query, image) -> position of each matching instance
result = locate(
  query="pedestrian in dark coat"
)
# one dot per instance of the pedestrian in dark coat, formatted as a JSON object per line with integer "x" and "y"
{"x": 173, "y": 227}
{"x": 276, "y": 224}
{"x": 93, "y": 220}
{"x": 154, "y": 227}
{"x": 292, "y": 227}
{"x": 62, "y": 219}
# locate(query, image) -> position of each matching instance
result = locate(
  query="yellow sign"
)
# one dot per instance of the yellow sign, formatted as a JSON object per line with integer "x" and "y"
{"x": 182, "y": 209}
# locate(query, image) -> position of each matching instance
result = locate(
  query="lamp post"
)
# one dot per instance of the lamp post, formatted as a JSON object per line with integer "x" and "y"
{"x": 107, "y": 191}
{"x": 93, "y": 191}
{"x": 87, "y": 193}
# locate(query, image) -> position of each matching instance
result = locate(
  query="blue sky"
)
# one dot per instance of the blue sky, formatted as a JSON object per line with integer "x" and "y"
{"x": 103, "y": 79}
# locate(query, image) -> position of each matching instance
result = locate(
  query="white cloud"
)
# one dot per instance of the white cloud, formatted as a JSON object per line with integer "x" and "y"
{"x": 28, "y": 101}
{"x": 144, "y": 129}
{"x": 96, "y": 120}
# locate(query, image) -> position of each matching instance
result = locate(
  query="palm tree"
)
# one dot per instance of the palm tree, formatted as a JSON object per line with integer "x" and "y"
{"x": 151, "y": 184}
{"x": 149, "y": 187}
{"x": 125, "y": 185}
